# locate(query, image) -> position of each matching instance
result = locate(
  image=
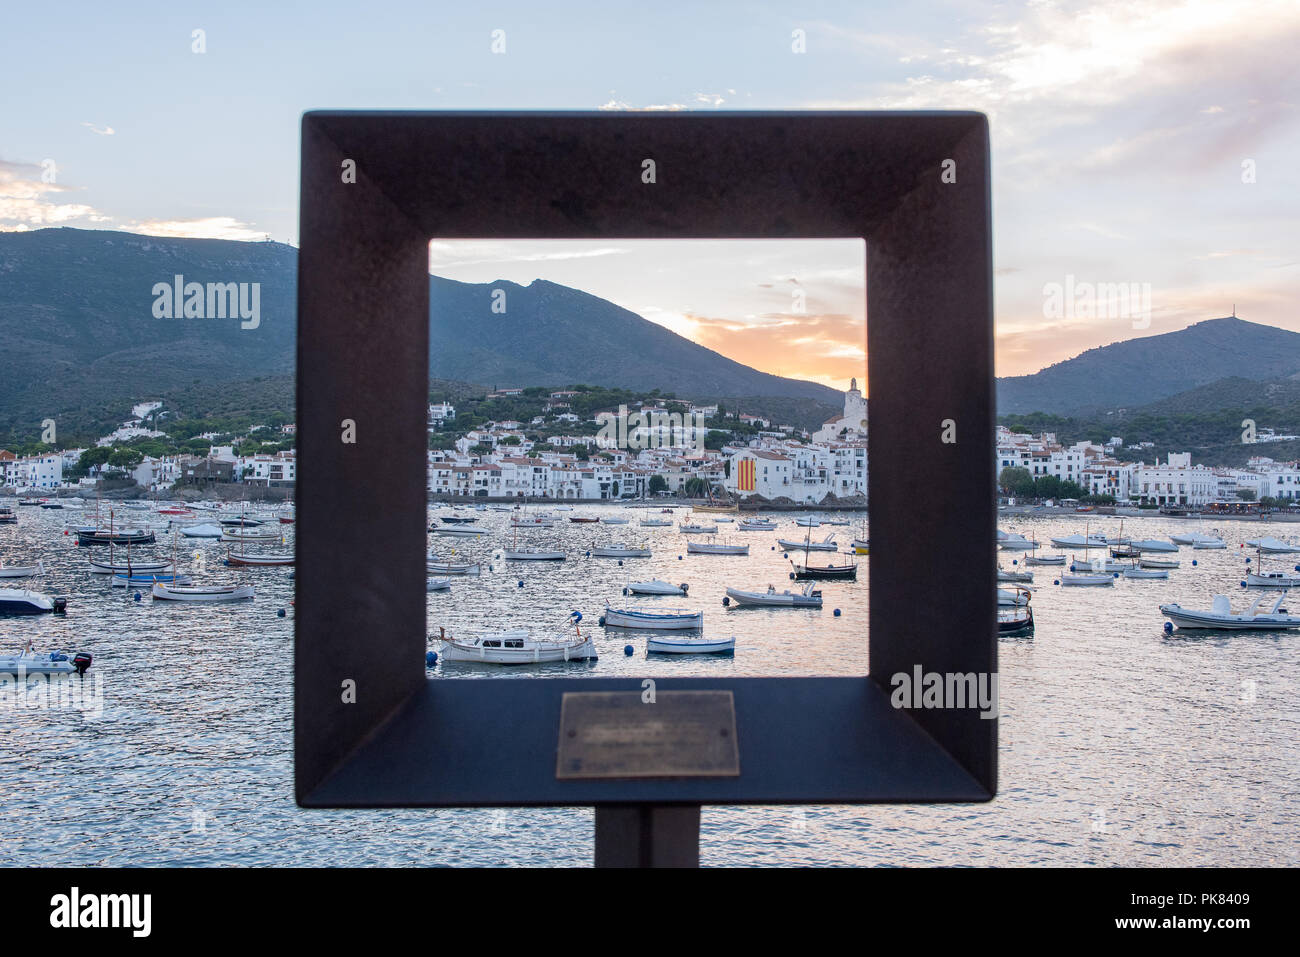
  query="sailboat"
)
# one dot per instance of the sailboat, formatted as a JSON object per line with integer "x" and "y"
{"x": 129, "y": 566}
{"x": 821, "y": 572}
{"x": 529, "y": 553}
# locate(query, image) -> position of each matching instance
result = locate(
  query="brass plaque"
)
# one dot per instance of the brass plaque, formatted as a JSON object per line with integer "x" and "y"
{"x": 616, "y": 734}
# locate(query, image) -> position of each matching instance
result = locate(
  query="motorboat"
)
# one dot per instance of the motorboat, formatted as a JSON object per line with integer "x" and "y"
{"x": 166, "y": 592}
{"x": 619, "y": 551}
{"x": 1145, "y": 573}
{"x": 104, "y": 536}
{"x": 519, "y": 647}
{"x": 51, "y": 505}
{"x": 808, "y": 522}
{"x": 27, "y": 662}
{"x": 8, "y": 516}
{"x": 655, "y": 587}
{"x": 1044, "y": 559}
{"x": 456, "y": 531}
{"x": 1208, "y": 541}
{"x": 1156, "y": 545}
{"x": 715, "y": 548}
{"x": 239, "y": 535}
{"x": 614, "y": 520}
{"x": 655, "y": 523}
{"x": 827, "y": 544}
{"x": 1014, "y": 542}
{"x": 1080, "y": 541}
{"x": 459, "y": 519}
{"x": 437, "y": 584}
{"x": 22, "y": 571}
{"x": 688, "y": 529}
{"x": 1010, "y": 576}
{"x": 1272, "y": 546}
{"x": 682, "y": 645}
{"x": 1145, "y": 562}
{"x": 1017, "y": 596}
{"x": 756, "y": 525}
{"x": 243, "y": 521}
{"x": 807, "y": 597}
{"x": 22, "y": 601}
{"x": 661, "y": 619}
{"x": 1221, "y": 617}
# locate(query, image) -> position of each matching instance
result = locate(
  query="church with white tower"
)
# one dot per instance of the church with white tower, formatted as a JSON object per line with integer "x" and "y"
{"x": 850, "y": 426}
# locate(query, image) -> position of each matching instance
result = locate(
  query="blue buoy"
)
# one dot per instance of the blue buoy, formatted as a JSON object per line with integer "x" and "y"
{"x": 521, "y": 583}
{"x": 1247, "y": 561}
{"x": 1114, "y": 574}
{"x": 773, "y": 548}
{"x": 785, "y": 554}
{"x": 279, "y": 613}
{"x": 1056, "y": 582}
{"x": 620, "y": 563}
{"x": 1193, "y": 562}
{"x": 588, "y": 554}
{"x": 679, "y": 558}
{"x": 628, "y": 650}
{"x": 726, "y": 601}
{"x": 625, "y": 591}
{"x": 1243, "y": 584}
{"x": 430, "y": 658}
{"x": 1015, "y": 561}
{"x": 136, "y": 596}
{"x": 792, "y": 576}
{"x": 1169, "y": 627}
{"x": 601, "y": 621}
{"x": 837, "y": 613}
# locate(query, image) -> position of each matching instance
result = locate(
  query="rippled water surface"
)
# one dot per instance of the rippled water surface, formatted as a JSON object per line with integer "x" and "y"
{"x": 1119, "y": 744}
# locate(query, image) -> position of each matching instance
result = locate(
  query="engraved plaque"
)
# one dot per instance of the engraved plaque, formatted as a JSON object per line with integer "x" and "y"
{"x": 617, "y": 735}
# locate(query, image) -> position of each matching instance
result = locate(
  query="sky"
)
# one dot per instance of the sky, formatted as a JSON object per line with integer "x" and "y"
{"x": 1144, "y": 143}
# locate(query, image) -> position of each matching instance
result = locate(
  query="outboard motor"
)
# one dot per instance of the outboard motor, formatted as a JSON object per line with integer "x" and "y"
{"x": 684, "y": 587}
{"x": 60, "y": 603}
{"x": 81, "y": 661}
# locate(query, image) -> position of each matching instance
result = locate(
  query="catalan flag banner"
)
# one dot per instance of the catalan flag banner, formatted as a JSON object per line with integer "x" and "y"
{"x": 747, "y": 475}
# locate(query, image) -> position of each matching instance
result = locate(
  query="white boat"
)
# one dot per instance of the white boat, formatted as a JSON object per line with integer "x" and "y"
{"x": 827, "y": 544}
{"x": 130, "y": 566}
{"x": 614, "y": 521}
{"x": 1131, "y": 572}
{"x": 240, "y": 535}
{"x": 1009, "y": 576}
{"x": 808, "y": 522}
{"x": 167, "y": 592}
{"x": 1080, "y": 541}
{"x": 1208, "y": 541}
{"x": 539, "y": 521}
{"x": 1272, "y": 546}
{"x": 532, "y": 555}
{"x": 1014, "y": 542}
{"x": 756, "y": 525}
{"x": 1013, "y": 598}
{"x": 714, "y": 548}
{"x": 1272, "y": 580}
{"x": 1099, "y": 565}
{"x": 262, "y": 560}
{"x": 23, "y": 601}
{"x": 519, "y": 647}
{"x": 727, "y": 521}
{"x": 679, "y": 645}
{"x": 127, "y": 581}
{"x": 1154, "y": 545}
{"x": 22, "y": 571}
{"x": 439, "y": 567}
{"x": 1221, "y": 616}
{"x": 619, "y": 551}
{"x": 655, "y": 587}
{"x": 807, "y": 597}
{"x": 53, "y": 663}
{"x": 861, "y": 546}
{"x": 1080, "y": 575}
{"x": 655, "y": 523}
{"x": 459, "y": 532}
{"x": 687, "y": 529}
{"x": 1158, "y": 562}
{"x": 1044, "y": 559}
{"x": 201, "y": 530}
{"x": 437, "y": 584}
{"x": 661, "y": 619}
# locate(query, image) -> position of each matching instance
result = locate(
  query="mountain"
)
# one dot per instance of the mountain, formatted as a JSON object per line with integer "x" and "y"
{"x": 1139, "y": 371}
{"x": 553, "y": 335}
{"x": 81, "y": 342}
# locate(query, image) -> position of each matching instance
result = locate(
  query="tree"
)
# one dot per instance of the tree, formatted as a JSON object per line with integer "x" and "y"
{"x": 96, "y": 456}
{"x": 657, "y": 484}
{"x": 1016, "y": 481}
{"x": 125, "y": 458}
{"x": 1246, "y": 494}
{"x": 696, "y": 487}
{"x": 613, "y": 490}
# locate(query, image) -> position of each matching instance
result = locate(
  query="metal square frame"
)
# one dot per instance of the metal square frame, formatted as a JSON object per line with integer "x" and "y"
{"x": 363, "y": 343}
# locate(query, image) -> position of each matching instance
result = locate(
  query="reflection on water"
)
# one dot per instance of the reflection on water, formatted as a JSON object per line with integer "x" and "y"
{"x": 1119, "y": 744}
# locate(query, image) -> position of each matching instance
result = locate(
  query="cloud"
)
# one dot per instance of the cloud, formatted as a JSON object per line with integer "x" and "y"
{"x": 211, "y": 227}
{"x": 100, "y": 130}
{"x": 443, "y": 255}
{"x": 830, "y": 348}
{"x": 614, "y": 105}
{"x": 26, "y": 202}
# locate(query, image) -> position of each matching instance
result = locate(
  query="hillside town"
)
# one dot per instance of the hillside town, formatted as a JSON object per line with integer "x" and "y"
{"x": 660, "y": 450}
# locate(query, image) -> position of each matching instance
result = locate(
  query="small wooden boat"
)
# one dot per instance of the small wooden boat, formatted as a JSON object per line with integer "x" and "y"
{"x": 437, "y": 566}
{"x": 1087, "y": 578}
{"x": 533, "y": 555}
{"x": 251, "y": 535}
{"x": 614, "y": 521}
{"x": 265, "y": 559}
{"x": 1044, "y": 559}
{"x": 51, "y": 505}
{"x": 287, "y": 519}
{"x": 519, "y": 647}
{"x": 166, "y": 592}
{"x": 807, "y": 572}
{"x": 1016, "y": 619}
{"x": 1221, "y": 617}
{"x": 655, "y": 587}
{"x": 21, "y": 601}
{"x": 1125, "y": 551}
{"x": 663, "y": 619}
{"x": 130, "y": 566}
{"x": 715, "y": 548}
{"x": 619, "y": 551}
{"x": 861, "y": 546}
{"x": 827, "y": 544}
{"x": 806, "y": 598}
{"x": 175, "y": 510}
{"x": 1272, "y": 580}
{"x": 8, "y": 516}
{"x": 756, "y": 525}
{"x": 29, "y": 501}
{"x": 459, "y": 532}
{"x": 655, "y": 523}
{"x": 682, "y": 645}
{"x": 437, "y": 584}
{"x": 1158, "y": 562}
{"x": 1145, "y": 573}
{"x": 22, "y": 571}
{"x": 123, "y": 580}
{"x": 581, "y": 519}
{"x": 1209, "y": 541}
{"x": 688, "y": 529}
{"x": 104, "y": 536}
{"x": 1013, "y": 596}
{"x": 1009, "y": 576}
{"x": 27, "y": 662}
{"x": 242, "y": 521}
